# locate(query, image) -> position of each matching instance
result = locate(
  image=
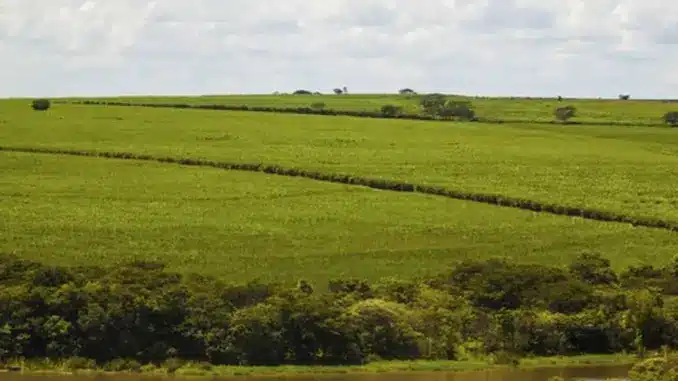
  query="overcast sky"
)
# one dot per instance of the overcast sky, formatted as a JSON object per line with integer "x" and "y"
{"x": 487, "y": 47}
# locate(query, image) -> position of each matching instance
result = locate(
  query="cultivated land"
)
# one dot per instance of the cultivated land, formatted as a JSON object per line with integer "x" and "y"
{"x": 242, "y": 225}
{"x": 518, "y": 109}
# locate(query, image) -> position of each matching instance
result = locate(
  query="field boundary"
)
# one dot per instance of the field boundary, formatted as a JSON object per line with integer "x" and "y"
{"x": 351, "y": 113}
{"x": 381, "y": 184}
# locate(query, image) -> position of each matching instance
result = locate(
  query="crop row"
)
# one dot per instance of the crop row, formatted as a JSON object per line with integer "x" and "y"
{"x": 351, "y": 113}
{"x": 382, "y": 184}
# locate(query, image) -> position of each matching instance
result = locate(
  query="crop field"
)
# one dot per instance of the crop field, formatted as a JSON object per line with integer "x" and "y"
{"x": 241, "y": 225}
{"x": 518, "y": 109}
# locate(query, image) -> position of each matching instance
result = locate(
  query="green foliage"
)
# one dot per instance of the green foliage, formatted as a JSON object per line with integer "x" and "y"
{"x": 318, "y": 105}
{"x": 302, "y": 92}
{"x": 126, "y": 317}
{"x": 564, "y": 114}
{"x": 41, "y": 104}
{"x": 391, "y": 110}
{"x": 592, "y": 268}
{"x": 654, "y": 369}
{"x": 671, "y": 118}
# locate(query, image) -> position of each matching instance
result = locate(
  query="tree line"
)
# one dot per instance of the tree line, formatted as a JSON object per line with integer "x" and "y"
{"x": 142, "y": 313}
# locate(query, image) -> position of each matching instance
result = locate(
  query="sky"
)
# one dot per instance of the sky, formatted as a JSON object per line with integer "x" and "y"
{"x": 573, "y": 48}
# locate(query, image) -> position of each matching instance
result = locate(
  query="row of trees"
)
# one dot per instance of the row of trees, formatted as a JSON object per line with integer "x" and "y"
{"x": 145, "y": 313}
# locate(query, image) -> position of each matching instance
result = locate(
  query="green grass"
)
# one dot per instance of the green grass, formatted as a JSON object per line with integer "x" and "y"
{"x": 241, "y": 225}
{"x": 394, "y": 368}
{"x": 588, "y": 110}
{"x": 620, "y": 169}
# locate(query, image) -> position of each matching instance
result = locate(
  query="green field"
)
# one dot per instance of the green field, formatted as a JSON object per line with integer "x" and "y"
{"x": 519, "y": 109}
{"x": 240, "y": 225}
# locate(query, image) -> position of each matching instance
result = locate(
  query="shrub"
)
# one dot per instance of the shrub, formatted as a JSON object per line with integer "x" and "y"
{"x": 41, "y": 104}
{"x": 671, "y": 118}
{"x": 431, "y": 104}
{"x": 624, "y": 97}
{"x": 338, "y": 91}
{"x": 566, "y": 113}
{"x": 391, "y": 110}
{"x": 318, "y": 105}
{"x": 457, "y": 109}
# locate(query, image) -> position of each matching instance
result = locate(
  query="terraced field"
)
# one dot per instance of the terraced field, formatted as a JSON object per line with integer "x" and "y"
{"x": 241, "y": 225}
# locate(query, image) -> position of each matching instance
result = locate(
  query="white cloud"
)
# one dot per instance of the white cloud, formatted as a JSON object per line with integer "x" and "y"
{"x": 528, "y": 47}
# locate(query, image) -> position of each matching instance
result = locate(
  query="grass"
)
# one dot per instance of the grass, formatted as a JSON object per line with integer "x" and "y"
{"x": 620, "y": 169}
{"x": 240, "y": 225}
{"x": 387, "y": 367}
{"x": 588, "y": 110}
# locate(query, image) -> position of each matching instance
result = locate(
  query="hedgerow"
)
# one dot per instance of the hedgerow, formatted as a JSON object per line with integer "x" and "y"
{"x": 381, "y": 114}
{"x": 382, "y": 184}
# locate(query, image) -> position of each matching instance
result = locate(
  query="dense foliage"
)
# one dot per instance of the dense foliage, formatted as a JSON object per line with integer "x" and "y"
{"x": 41, "y": 104}
{"x": 141, "y": 311}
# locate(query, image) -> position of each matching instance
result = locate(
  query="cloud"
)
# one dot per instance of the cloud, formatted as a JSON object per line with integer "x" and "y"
{"x": 491, "y": 47}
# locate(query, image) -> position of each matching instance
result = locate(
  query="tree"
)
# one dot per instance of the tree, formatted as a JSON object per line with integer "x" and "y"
{"x": 391, "y": 110}
{"x": 302, "y": 92}
{"x": 457, "y": 109}
{"x": 338, "y": 91}
{"x": 564, "y": 114}
{"x": 345, "y": 90}
{"x": 431, "y": 104}
{"x": 593, "y": 269}
{"x": 41, "y": 104}
{"x": 406, "y": 91}
{"x": 671, "y": 118}
{"x": 624, "y": 97}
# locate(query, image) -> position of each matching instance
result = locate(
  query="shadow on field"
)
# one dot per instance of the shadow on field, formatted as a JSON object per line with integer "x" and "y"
{"x": 389, "y": 185}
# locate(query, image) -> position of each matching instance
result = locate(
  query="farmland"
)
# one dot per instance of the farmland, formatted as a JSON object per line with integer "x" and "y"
{"x": 240, "y": 226}
{"x": 647, "y": 112}
{"x": 375, "y": 213}
{"x": 215, "y": 221}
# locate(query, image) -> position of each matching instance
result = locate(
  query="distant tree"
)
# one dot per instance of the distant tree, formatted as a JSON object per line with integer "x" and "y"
{"x": 457, "y": 109}
{"x": 302, "y": 92}
{"x": 624, "y": 97}
{"x": 345, "y": 90}
{"x": 318, "y": 105}
{"x": 317, "y": 93}
{"x": 338, "y": 91}
{"x": 41, "y": 104}
{"x": 431, "y": 104}
{"x": 671, "y": 118}
{"x": 391, "y": 110}
{"x": 564, "y": 114}
{"x": 406, "y": 91}
{"x": 593, "y": 268}
{"x": 560, "y": 98}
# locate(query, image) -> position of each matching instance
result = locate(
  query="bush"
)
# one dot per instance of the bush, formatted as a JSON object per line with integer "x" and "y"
{"x": 391, "y": 110}
{"x": 566, "y": 113}
{"x": 671, "y": 118}
{"x": 41, "y": 104}
{"x": 318, "y": 105}
{"x": 624, "y": 97}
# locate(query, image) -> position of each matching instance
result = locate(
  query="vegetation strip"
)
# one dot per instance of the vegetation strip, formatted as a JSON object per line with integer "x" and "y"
{"x": 351, "y": 113}
{"x": 380, "y": 184}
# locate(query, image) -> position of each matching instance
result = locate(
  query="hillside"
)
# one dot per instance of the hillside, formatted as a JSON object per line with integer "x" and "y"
{"x": 244, "y": 225}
